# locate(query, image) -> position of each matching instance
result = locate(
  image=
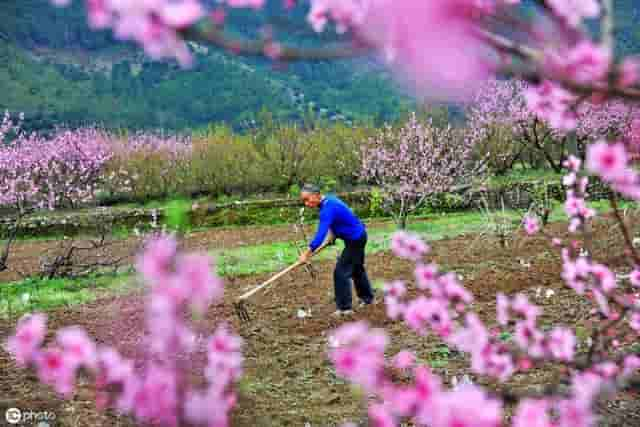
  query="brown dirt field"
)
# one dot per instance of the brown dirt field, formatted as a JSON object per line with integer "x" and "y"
{"x": 288, "y": 379}
{"x": 24, "y": 257}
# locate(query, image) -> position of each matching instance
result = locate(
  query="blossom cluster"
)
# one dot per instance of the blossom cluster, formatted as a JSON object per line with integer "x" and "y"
{"x": 70, "y": 167}
{"x": 445, "y": 308}
{"x": 50, "y": 172}
{"x": 159, "y": 391}
{"x": 416, "y": 161}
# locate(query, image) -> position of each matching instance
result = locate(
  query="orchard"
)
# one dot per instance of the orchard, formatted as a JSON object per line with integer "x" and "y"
{"x": 560, "y": 309}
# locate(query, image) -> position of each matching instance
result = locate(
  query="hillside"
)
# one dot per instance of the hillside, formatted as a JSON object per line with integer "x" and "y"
{"x": 57, "y": 71}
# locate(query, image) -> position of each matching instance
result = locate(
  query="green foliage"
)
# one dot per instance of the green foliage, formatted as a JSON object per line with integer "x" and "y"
{"x": 177, "y": 215}
{"x": 275, "y": 159}
{"x": 294, "y": 191}
{"x": 444, "y": 202}
{"x": 376, "y": 203}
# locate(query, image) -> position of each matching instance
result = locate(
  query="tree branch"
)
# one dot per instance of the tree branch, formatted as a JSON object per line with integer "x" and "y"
{"x": 215, "y": 35}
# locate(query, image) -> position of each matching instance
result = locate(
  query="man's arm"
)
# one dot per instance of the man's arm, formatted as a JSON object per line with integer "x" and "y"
{"x": 321, "y": 234}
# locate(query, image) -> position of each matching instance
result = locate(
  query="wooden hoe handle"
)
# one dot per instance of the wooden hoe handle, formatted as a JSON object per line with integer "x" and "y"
{"x": 278, "y": 275}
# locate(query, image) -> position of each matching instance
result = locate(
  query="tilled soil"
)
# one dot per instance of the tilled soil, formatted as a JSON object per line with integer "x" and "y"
{"x": 288, "y": 379}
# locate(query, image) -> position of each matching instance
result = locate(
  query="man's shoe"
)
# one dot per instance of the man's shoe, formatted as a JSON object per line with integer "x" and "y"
{"x": 364, "y": 304}
{"x": 342, "y": 313}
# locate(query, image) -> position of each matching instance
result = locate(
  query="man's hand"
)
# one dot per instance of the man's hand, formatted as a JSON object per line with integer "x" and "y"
{"x": 305, "y": 256}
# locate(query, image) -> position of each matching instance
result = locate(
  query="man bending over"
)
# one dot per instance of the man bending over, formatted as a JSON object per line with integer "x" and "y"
{"x": 337, "y": 219}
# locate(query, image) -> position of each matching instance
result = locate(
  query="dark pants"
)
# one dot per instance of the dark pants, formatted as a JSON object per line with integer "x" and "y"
{"x": 350, "y": 265}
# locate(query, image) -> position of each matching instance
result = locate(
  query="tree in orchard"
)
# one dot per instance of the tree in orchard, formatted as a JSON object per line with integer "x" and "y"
{"x": 47, "y": 173}
{"x": 500, "y": 121}
{"x": 447, "y": 49}
{"x": 414, "y": 162}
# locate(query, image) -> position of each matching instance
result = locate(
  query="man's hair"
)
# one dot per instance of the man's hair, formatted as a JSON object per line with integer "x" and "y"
{"x": 310, "y": 188}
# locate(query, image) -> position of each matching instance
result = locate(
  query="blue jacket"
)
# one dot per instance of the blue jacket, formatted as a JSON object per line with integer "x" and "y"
{"x": 336, "y": 216}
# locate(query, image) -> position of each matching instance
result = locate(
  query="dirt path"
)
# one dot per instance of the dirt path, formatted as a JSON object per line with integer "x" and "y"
{"x": 288, "y": 379}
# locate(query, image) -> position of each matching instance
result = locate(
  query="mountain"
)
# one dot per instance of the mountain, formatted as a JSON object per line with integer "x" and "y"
{"x": 56, "y": 70}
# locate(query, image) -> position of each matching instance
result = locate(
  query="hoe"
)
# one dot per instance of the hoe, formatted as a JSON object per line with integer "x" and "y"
{"x": 240, "y": 306}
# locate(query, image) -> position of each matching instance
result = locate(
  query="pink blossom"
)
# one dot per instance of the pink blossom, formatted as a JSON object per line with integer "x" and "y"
{"x": 56, "y": 370}
{"x": 532, "y": 413}
{"x": 404, "y": 359}
{"x": 551, "y": 103}
{"x": 573, "y": 413}
{"x": 502, "y": 309}
{"x": 224, "y": 355}
{"x": 112, "y": 368}
{"x": 561, "y": 343}
{"x": 605, "y": 277}
{"x": 422, "y": 313}
{"x": 607, "y": 160}
{"x": 634, "y": 277}
{"x": 634, "y": 321}
{"x": 629, "y": 72}
{"x": 194, "y": 273}
{"x": 468, "y": 406}
{"x": 573, "y": 163}
{"x": 450, "y": 288}
{"x": 156, "y": 262}
{"x": 408, "y": 246}
{"x": 181, "y": 14}
{"x": 631, "y": 365}
{"x": 29, "y": 335}
{"x": 395, "y": 289}
{"x": 405, "y": 30}
{"x": 531, "y": 224}
{"x": 569, "y": 180}
{"x": 530, "y": 339}
{"x": 256, "y": 4}
{"x": 602, "y": 301}
{"x": 426, "y": 275}
{"x": 359, "y": 358}
{"x": 522, "y": 306}
{"x": 584, "y": 63}
{"x": 606, "y": 370}
{"x": 380, "y": 416}
{"x": 394, "y": 308}
{"x": 574, "y": 11}
{"x": 78, "y": 348}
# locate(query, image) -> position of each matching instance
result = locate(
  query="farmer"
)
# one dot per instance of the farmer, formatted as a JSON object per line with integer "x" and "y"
{"x": 340, "y": 222}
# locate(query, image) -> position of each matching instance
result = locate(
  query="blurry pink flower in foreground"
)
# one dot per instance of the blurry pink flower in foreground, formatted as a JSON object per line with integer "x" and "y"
{"x": 574, "y": 11}
{"x": 552, "y": 103}
{"x": 431, "y": 43}
{"x": 157, "y": 392}
{"x": 408, "y": 246}
{"x": 531, "y": 224}
{"x": 607, "y": 160}
{"x": 404, "y": 359}
{"x": 28, "y": 337}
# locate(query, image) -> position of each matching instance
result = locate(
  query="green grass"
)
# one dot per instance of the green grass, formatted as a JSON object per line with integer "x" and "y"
{"x": 524, "y": 175}
{"x": 40, "y": 295}
{"x": 257, "y": 259}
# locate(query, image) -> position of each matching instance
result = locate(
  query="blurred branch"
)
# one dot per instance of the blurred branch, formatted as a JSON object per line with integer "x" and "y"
{"x": 215, "y": 35}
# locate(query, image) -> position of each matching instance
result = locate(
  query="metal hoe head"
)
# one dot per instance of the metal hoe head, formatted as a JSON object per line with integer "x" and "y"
{"x": 241, "y": 311}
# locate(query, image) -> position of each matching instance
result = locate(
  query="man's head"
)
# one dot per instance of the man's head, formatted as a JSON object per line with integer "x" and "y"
{"x": 311, "y": 195}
